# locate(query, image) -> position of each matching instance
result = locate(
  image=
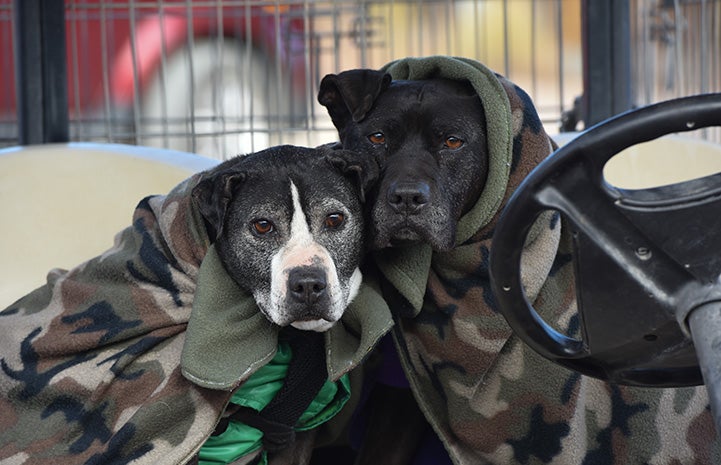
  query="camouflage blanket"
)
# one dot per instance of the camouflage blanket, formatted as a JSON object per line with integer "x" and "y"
{"x": 490, "y": 398}
{"x": 132, "y": 356}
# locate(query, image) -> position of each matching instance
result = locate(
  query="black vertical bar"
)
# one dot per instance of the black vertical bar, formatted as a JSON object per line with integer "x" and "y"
{"x": 55, "y": 77}
{"x": 28, "y": 71}
{"x": 40, "y": 71}
{"x": 606, "y": 59}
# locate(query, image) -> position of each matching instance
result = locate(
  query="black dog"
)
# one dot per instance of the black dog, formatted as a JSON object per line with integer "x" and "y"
{"x": 430, "y": 138}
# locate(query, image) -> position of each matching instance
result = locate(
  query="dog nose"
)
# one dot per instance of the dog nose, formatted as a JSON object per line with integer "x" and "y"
{"x": 307, "y": 284}
{"x": 408, "y": 197}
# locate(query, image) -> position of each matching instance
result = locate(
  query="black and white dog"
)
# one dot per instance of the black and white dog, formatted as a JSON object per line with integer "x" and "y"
{"x": 289, "y": 228}
{"x": 288, "y": 225}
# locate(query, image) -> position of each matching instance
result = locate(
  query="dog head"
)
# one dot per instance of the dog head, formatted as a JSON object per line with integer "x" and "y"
{"x": 288, "y": 226}
{"x": 429, "y": 137}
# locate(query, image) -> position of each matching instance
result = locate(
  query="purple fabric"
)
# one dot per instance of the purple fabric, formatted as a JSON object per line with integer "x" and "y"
{"x": 431, "y": 450}
{"x": 390, "y": 372}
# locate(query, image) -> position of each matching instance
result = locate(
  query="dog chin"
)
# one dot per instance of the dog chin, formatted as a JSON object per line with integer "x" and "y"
{"x": 406, "y": 236}
{"x": 319, "y": 325}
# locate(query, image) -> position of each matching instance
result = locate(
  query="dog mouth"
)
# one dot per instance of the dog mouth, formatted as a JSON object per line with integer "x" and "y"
{"x": 304, "y": 320}
{"x": 311, "y": 314}
{"x": 405, "y": 232}
{"x": 404, "y": 236}
{"x": 310, "y": 317}
{"x": 312, "y": 324}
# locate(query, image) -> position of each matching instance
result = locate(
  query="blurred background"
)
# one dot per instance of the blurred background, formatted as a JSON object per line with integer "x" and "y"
{"x": 221, "y": 77}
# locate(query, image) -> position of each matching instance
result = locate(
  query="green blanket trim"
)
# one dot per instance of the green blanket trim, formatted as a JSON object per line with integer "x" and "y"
{"x": 240, "y": 439}
{"x": 407, "y": 268}
{"x": 228, "y": 339}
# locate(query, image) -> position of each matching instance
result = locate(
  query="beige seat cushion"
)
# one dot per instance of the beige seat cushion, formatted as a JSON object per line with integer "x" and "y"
{"x": 666, "y": 160}
{"x": 61, "y": 204}
{"x": 662, "y": 161}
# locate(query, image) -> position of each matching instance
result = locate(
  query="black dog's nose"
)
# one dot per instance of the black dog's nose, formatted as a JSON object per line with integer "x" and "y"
{"x": 408, "y": 197}
{"x": 306, "y": 285}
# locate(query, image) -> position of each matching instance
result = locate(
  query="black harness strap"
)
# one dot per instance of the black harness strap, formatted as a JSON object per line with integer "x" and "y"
{"x": 305, "y": 377}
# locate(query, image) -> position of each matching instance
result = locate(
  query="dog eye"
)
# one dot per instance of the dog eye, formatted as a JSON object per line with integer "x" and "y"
{"x": 377, "y": 138}
{"x": 334, "y": 220}
{"x": 262, "y": 227}
{"x": 453, "y": 142}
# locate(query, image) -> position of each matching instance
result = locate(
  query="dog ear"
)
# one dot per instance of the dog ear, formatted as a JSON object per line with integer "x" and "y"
{"x": 364, "y": 170}
{"x": 212, "y": 196}
{"x": 350, "y": 94}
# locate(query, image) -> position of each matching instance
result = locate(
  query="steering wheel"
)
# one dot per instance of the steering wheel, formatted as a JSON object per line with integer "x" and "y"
{"x": 643, "y": 259}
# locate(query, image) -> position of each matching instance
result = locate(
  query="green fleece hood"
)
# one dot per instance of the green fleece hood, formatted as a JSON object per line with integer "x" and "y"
{"x": 498, "y": 122}
{"x": 407, "y": 267}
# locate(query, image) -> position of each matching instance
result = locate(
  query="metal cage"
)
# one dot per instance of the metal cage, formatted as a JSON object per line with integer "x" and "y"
{"x": 220, "y": 77}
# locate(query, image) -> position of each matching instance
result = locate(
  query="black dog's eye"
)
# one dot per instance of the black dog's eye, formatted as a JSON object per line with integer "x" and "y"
{"x": 334, "y": 220}
{"x": 262, "y": 227}
{"x": 377, "y": 138}
{"x": 453, "y": 142}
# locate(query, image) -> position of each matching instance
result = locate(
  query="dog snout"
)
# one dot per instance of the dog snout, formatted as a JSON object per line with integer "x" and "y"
{"x": 307, "y": 285}
{"x": 408, "y": 197}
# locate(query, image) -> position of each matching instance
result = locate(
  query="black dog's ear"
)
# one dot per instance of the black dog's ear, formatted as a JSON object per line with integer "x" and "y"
{"x": 364, "y": 170}
{"x": 212, "y": 196}
{"x": 350, "y": 94}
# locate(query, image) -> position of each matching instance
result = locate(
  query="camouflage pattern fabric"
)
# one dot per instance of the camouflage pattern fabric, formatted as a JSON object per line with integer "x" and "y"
{"x": 89, "y": 369}
{"x": 106, "y": 363}
{"x": 489, "y": 397}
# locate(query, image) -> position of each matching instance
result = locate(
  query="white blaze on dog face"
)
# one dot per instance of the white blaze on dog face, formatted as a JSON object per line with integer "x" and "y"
{"x": 303, "y": 251}
{"x": 291, "y": 233}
